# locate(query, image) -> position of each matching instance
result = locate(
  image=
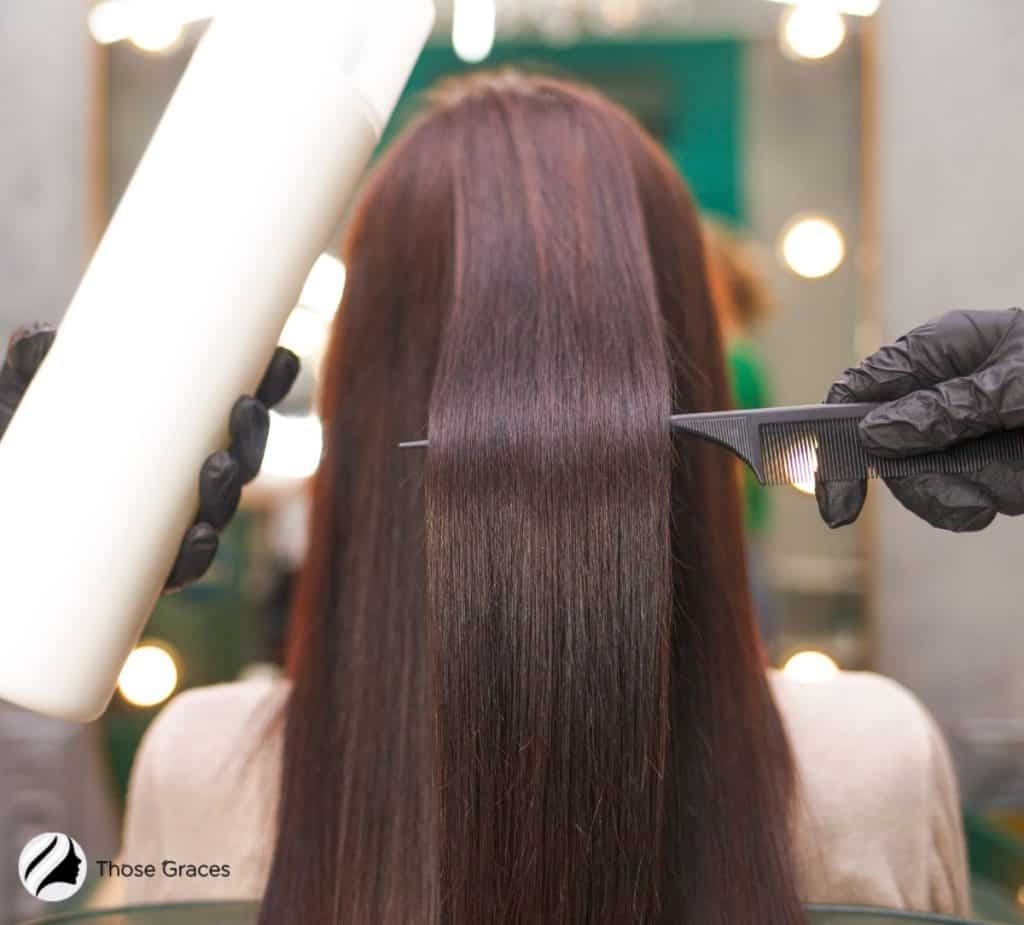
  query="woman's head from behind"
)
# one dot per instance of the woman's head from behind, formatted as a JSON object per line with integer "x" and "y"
{"x": 527, "y": 687}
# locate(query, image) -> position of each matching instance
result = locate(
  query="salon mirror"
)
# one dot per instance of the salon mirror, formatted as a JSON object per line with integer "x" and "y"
{"x": 863, "y": 192}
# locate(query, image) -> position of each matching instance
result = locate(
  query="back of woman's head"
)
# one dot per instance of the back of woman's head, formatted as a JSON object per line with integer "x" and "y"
{"x": 527, "y": 685}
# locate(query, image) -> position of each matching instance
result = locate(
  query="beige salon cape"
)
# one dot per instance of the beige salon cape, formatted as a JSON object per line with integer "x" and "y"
{"x": 878, "y": 821}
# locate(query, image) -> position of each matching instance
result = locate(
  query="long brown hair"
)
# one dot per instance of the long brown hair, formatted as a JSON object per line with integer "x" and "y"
{"x": 527, "y": 687}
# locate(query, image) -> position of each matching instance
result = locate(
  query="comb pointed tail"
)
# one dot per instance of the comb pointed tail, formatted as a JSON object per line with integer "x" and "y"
{"x": 737, "y": 431}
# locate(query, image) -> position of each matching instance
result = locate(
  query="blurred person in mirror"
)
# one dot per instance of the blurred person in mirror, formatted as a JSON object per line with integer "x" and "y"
{"x": 525, "y": 683}
{"x": 743, "y": 300}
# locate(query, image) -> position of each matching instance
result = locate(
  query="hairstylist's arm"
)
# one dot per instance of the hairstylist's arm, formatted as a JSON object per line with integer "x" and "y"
{"x": 954, "y": 378}
{"x": 222, "y": 475}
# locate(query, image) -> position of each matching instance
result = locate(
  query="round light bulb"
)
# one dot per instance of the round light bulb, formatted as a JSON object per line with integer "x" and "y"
{"x": 294, "y": 446}
{"x": 810, "y": 667}
{"x": 110, "y": 21}
{"x": 324, "y": 286}
{"x": 305, "y": 332}
{"x": 149, "y": 676}
{"x": 156, "y": 32}
{"x": 811, "y": 31}
{"x": 812, "y": 246}
{"x": 474, "y": 26}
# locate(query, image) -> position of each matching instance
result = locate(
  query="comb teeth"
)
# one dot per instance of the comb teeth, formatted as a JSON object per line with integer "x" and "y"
{"x": 795, "y": 452}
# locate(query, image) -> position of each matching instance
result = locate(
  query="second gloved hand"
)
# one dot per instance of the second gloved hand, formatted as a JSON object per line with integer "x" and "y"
{"x": 222, "y": 475}
{"x": 951, "y": 379}
{"x": 225, "y": 472}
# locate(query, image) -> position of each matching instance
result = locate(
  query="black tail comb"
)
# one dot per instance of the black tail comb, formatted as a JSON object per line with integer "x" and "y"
{"x": 794, "y": 445}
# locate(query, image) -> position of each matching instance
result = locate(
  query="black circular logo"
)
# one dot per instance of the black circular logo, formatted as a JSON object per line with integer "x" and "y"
{"x": 52, "y": 867}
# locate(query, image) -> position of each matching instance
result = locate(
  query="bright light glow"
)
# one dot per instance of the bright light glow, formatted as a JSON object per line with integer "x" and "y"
{"x": 852, "y": 7}
{"x": 157, "y": 33}
{"x": 305, "y": 333}
{"x": 151, "y": 25}
{"x": 294, "y": 446}
{"x": 1020, "y": 895}
{"x": 812, "y": 246}
{"x": 110, "y": 22}
{"x": 811, "y": 31}
{"x": 804, "y": 485}
{"x": 801, "y": 464}
{"x": 810, "y": 666}
{"x": 149, "y": 676}
{"x": 474, "y": 25}
{"x": 324, "y": 287}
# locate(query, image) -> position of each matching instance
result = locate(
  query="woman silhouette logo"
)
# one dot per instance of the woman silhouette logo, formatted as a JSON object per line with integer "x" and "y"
{"x": 52, "y": 867}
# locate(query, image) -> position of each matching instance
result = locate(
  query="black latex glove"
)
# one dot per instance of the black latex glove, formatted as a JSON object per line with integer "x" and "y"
{"x": 222, "y": 475}
{"x": 957, "y": 377}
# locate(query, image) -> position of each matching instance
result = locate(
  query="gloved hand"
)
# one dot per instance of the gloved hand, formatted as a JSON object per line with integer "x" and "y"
{"x": 222, "y": 475}
{"x": 957, "y": 377}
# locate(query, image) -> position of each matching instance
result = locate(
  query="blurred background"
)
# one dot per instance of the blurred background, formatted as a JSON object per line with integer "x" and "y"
{"x": 858, "y": 163}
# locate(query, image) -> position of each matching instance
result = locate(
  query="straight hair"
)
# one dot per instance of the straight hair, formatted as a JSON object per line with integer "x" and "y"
{"x": 526, "y": 682}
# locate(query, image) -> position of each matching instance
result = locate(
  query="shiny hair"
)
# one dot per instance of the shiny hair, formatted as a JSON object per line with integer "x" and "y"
{"x": 527, "y": 686}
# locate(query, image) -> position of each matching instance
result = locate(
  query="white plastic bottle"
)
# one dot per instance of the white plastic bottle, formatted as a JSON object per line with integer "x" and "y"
{"x": 248, "y": 174}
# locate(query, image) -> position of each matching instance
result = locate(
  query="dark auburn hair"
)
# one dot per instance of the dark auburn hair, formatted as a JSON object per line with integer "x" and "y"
{"x": 527, "y": 687}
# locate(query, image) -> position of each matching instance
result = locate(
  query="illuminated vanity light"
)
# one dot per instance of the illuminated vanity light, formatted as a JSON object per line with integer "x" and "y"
{"x": 324, "y": 286}
{"x": 294, "y": 446}
{"x": 157, "y": 34}
{"x": 812, "y": 246}
{"x": 305, "y": 333}
{"x": 474, "y": 26}
{"x": 810, "y": 667}
{"x": 811, "y": 32}
{"x": 149, "y": 676}
{"x": 154, "y": 26}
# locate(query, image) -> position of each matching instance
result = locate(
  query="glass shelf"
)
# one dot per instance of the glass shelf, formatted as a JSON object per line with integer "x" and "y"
{"x": 246, "y": 914}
